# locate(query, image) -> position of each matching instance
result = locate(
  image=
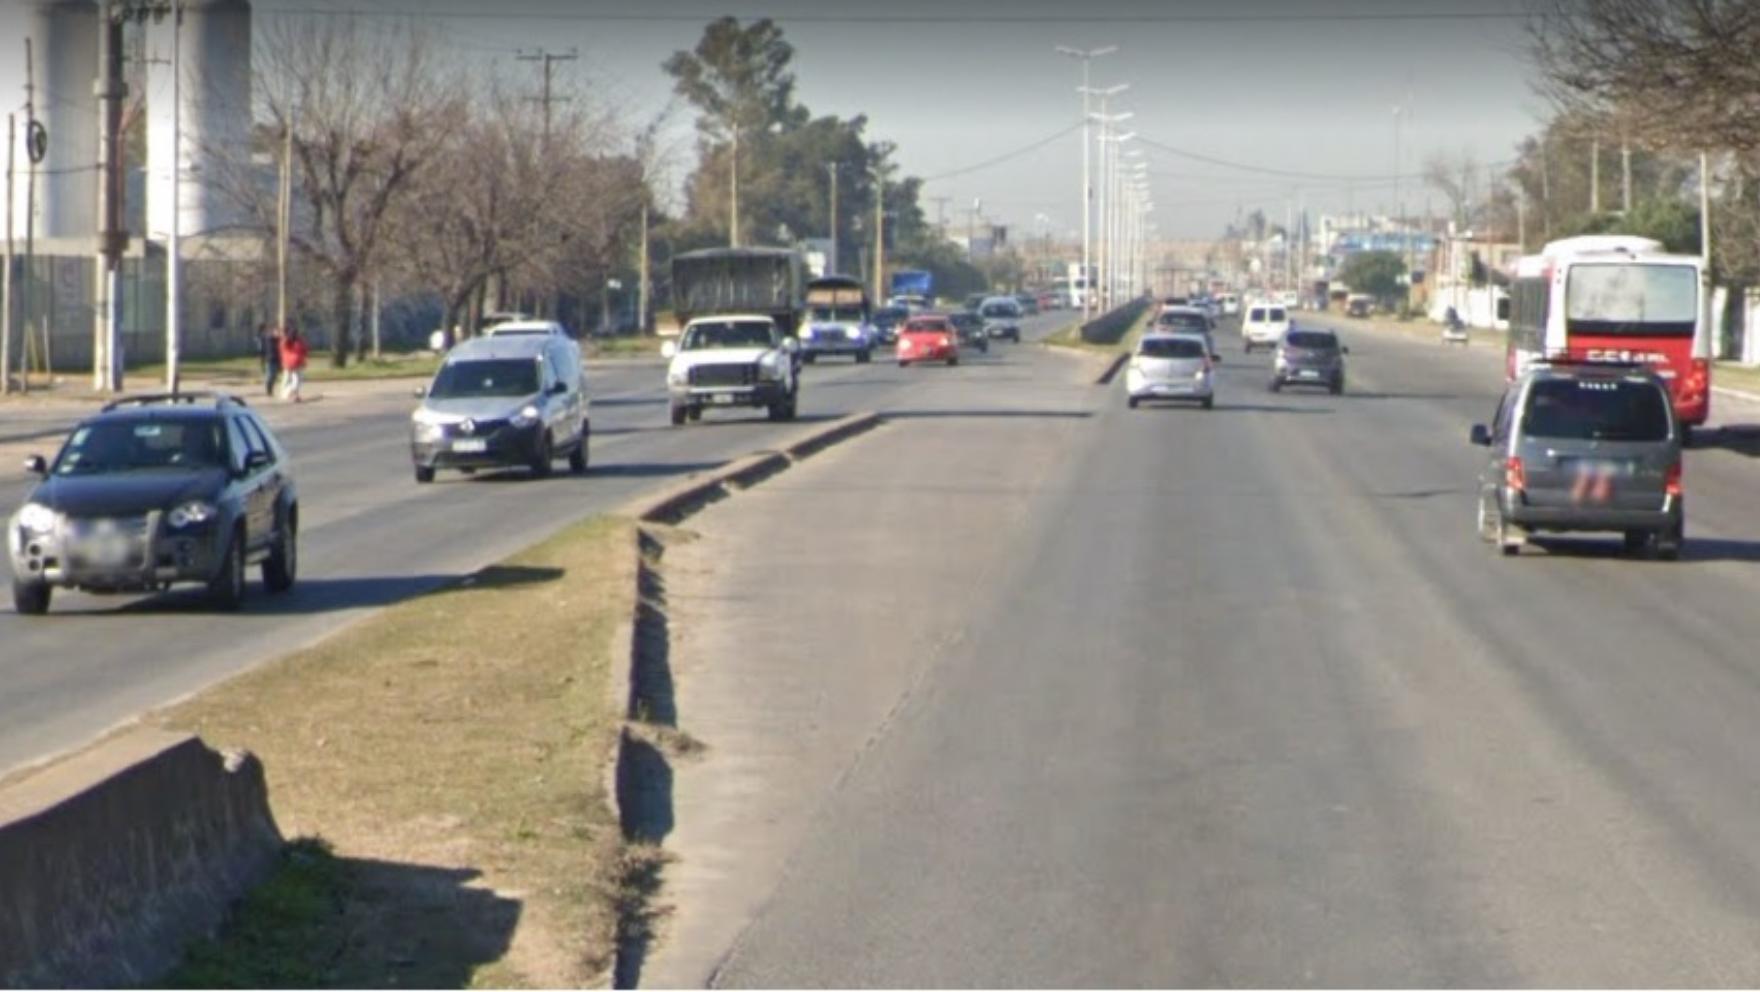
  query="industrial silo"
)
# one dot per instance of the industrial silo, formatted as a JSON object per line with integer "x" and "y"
{"x": 64, "y": 50}
{"x": 216, "y": 118}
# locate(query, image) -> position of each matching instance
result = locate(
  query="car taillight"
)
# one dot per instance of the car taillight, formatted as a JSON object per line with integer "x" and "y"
{"x": 1697, "y": 381}
{"x": 1514, "y": 476}
{"x": 1671, "y": 483}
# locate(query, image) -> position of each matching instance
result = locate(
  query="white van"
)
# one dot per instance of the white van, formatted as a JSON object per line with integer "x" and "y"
{"x": 1264, "y": 325}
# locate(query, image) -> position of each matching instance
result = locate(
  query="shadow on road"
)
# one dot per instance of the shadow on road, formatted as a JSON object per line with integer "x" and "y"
{"x": 650, "y": 470}
{"x": 632, "y": 401}
{"x": 979, "y": 413}
{"x": 1226, "y": 407}
{"x": 1742, "y": 439}
{"x": 1697, "y": 549}
{"x": 329, "y": 595}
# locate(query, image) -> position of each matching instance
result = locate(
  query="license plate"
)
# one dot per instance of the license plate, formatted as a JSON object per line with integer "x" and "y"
{"x": 470, "y": 445}
{"x": 1308, "y": 374}
{"x": 721, "y": 398}
{"x": 105, "y": 552}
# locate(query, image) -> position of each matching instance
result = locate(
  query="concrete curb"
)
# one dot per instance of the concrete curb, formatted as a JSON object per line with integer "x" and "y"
{"x": 115, "y": 859}
{"x": 1112, "y": 368}
{"x": 637, "y": 773}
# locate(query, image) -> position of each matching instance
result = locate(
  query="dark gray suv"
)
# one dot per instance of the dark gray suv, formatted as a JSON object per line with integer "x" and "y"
{"x": 157, "y": 490}
{"x": 1309, "y": 358}
{"x": 1583, "y": 448}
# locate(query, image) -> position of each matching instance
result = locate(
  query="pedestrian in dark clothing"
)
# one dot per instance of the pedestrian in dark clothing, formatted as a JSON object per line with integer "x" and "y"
{"x": 269, "y": 350}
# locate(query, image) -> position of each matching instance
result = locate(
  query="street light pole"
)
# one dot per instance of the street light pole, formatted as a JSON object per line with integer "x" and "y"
{"x": 831, "y": 267}
{"x": 1086, "y": 57}
{"x": 173, "y": 243}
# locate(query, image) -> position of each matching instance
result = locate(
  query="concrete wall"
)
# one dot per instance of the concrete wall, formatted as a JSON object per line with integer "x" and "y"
{"x": 115, "y": 859}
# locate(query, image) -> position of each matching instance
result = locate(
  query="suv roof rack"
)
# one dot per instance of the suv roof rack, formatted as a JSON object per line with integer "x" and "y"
{"x": 190, "y": 398}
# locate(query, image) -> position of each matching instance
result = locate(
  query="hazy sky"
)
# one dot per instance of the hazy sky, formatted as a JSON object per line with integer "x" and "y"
{"x": 1283, "y": 85}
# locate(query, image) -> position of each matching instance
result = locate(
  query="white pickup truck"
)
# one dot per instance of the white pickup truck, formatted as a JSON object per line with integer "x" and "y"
{"x": 732, "y": 361}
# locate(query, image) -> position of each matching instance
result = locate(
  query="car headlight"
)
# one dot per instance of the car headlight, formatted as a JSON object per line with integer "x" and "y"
{"x": 527, "y": 415}
{"x": 36, "y": 518}
{"x": 678, "y": 376}
{"x": 192, "y": 514}
{"x": 770, "y": 368}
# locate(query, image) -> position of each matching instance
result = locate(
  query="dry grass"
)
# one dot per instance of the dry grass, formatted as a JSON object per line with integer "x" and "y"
{"x": 449, "y": 752}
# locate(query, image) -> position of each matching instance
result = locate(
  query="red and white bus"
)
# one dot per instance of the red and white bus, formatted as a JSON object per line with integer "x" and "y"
{"x": 1616, "y": 298}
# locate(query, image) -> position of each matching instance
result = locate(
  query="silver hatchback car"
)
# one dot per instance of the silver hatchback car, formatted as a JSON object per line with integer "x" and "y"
{"x": 1171, "y": 367}
{"x": 1583, "y": 448}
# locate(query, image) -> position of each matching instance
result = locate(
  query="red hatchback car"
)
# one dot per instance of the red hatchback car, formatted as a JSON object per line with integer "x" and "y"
{"x": 928, "y": 338}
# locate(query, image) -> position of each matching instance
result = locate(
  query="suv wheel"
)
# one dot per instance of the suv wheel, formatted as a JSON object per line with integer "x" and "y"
{"x": 31, "y": 598}
{"x": 545, "y": 454}
{"x": 678, "y": 414}
{"x": 864, "y": 357}
{"x": 226, "y": 588}
{"x": 282, "y": 565}
{"x": 424, "y": 474}
{"x": 1276, "y": 385}
{"x": 577, "y": 459}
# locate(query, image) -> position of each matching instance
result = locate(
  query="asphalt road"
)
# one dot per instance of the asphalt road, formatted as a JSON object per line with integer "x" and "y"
{"x": 1236, "y": 698}
{"x": 371, "y": 536}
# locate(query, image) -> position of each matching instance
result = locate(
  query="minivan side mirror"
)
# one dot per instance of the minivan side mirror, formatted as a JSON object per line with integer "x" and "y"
{"x": 36, "y": 465}
{"x": 256, "y": 460}
{"x": 1503, "y": 309}
{"x": 1480, "y": 435}
{"x": 668, "y": 349}
{"x": 1216, "y": 358}
{"x": 558, "y": 387}
{"x": 1344, "y": 349}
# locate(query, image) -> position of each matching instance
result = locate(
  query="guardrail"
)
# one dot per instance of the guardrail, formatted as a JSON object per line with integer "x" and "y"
{"x": 1112, "y": 326}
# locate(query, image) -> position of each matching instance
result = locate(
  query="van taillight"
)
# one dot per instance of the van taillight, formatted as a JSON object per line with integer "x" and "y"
{"x": 1513, "y": 475}
{"x": 1671, "y": 483}
{"x": 1698, "y": 380}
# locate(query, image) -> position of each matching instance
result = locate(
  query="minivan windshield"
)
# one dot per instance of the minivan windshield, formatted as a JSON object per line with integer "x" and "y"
{"x": 136, "y": 445}
{"x": 1596, "y": 410}
{"x": 473, "y": 377}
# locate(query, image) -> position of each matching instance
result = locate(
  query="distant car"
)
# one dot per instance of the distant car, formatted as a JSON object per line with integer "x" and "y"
{"x": 1002, "y": 317}
{"x": 928, "y": 338}
{"x": 1264, "y": 325}
{"x": 971, "y": 328}
{"x": 1188, "y": 320}
{"x": 1029, "y": 303}
{"x": 1231, "y": 304}
{"x": 1583, "y": 448}
{"x": 507, "y": 399}
{"x": 158, "y": 490}
{"x": 1171, "y": 366}
{"x": 1359, "y": 305}
{"x": 1309, "y": 358}
{"x": 886, "y": 321}
{"x": 975, "y": 300}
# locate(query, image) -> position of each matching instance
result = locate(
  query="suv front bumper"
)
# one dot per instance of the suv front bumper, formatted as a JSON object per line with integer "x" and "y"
{"x": 135, "y": 554}
{"x": 762, "y": 393}
{"x": 505, "y": 446}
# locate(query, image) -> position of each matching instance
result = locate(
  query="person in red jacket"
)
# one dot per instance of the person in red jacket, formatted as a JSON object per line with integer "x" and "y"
{"x": 293, "y": 361}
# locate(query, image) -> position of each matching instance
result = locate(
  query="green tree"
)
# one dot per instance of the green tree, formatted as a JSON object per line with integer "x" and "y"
{"x": 1673, "y": 222}
{"x": 1374, "y": 272}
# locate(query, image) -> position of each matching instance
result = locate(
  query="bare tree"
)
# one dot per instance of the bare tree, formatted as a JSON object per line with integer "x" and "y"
{"x": 1453, "y": 176}
{"x": 370, "y": 108}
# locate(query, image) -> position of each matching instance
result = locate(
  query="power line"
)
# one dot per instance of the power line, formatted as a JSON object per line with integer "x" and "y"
{"x": 1005, "y": 157}
{"x": 1146, "y": 17}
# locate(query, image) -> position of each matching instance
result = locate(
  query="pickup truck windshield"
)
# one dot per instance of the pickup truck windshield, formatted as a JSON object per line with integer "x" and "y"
{"x": 729, "y": 334}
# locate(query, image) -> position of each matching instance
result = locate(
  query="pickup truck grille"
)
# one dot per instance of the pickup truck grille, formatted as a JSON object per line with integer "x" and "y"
{"x": 724, "y": 375}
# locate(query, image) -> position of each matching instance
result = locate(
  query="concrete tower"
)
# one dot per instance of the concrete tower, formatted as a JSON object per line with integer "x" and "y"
{"x": 216, "y": 124}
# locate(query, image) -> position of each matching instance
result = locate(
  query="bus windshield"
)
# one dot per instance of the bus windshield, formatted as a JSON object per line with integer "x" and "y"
{"x": 1623, "y": 298}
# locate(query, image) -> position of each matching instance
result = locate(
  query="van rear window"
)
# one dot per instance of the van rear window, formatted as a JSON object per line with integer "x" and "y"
{"x": 1171, "y": 348}
{"x": 1596, "y": 410}
{"x": 1278, "y": 315}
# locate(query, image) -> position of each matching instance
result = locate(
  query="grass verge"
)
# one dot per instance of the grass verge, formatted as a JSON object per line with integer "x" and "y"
{"x": 1734, "y": 376}
{"x": 622, "y": 347}
{"x": 390, "y": 365}
{"x": 443, "y": 760}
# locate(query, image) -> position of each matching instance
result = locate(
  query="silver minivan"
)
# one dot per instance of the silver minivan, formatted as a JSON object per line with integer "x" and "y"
{"x": 1583, "y": 448}
{"x": 513, "y": 398}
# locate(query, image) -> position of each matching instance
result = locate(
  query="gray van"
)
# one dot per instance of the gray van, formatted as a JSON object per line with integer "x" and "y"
{"x": 1578, "y": 447}
{"x": 507, "y": 399}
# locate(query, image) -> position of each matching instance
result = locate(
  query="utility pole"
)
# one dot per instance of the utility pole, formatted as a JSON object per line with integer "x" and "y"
{"x": 879, "y": 238}
{"x": 733, "y": 196}
{"x": 6, "y": 277}
{"x": 173, "y": 245}
{"x": 831, "y": 267}
{"x": 642, "y": 270}
{"x": 30, "y": 234}
{"x": 1086, "y": 57}
{"x": 112, "y": 237}
{"x": 548, "y": 61}
{"x": 283, "y": 220}
{"x": 1625, "y": 177}
{"x": 1595, "y": 176}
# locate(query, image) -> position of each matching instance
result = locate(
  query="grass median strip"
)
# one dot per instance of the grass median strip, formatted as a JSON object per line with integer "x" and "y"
{"x": 442, "y": 762}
